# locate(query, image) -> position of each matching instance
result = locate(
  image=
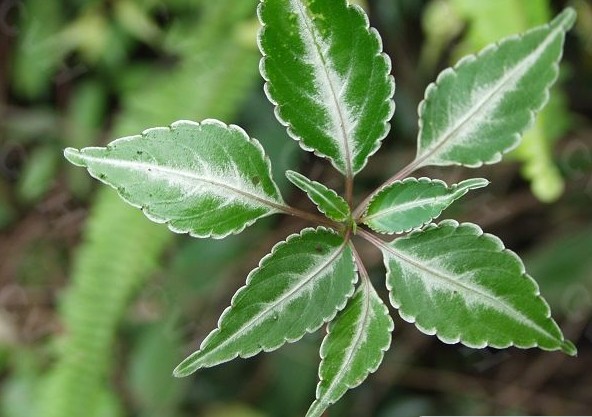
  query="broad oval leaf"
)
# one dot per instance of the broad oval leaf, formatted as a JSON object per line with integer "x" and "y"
{"x": 327, "y": 201}
{"x": 353, "y": 348}
{"x": 462, "y": 285}
{"x": 328, "y": 78}
{"x": 208, "y": 179}
{"x": 479, "y": 109}
{"x": 411, "y": 203}
{"x": 300, "y": 285}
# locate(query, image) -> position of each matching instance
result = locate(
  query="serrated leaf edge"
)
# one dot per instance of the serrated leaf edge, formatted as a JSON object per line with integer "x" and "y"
{"x": 383, "y": 349}
{"x": 566, "y": 345}
{"x": 276, "y": 207}
{"x": 420, "y": 180}
{"x": 291, "y": 133}
{"x": 453, "y": 71}
{"x": 179, "y": 373}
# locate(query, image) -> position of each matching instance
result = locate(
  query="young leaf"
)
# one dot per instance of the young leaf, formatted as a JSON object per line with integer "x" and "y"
{"x": 328, "y": 78}
{"x": 327, "y": 200}
{"x": 479, "y": 109}
{"x": 353, "y": 348}
{"x": 462, "y": 285}
{"x": 411, "y": 203}
{"x": 300, "y": 285}
{"x": 207, "y": 179}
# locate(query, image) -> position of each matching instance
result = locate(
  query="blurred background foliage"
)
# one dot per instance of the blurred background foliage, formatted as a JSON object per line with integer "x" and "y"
{"x": 97, "y": 304}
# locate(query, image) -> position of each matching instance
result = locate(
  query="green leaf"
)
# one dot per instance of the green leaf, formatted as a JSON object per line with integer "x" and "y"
{"x": 300, "y": 285}
{"x": 411, "y": 203}
{"x": 536, "y": 151}
{"x": 328, "y": 201}
{"x": 119, "y": 252}
{"x": 462, "y": 285}
{"x": 563, "y": 269}
{"x": 40, "y": 46}
{"x": 479, "y": 109}
{"x": 353, "y": 348}
{"x": 150, "y": 95}
{"x": 38, "y": 174}
{"x": 151, "y": 357}
{"x": 207, "y": 179}
{"x": 328, "y": 78}
{"x": 488, "y": 21}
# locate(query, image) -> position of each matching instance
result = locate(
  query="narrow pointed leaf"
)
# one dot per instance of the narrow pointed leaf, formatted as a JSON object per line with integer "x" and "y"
{"x": 353, "y": 348}
{"x": 411, "y": 203}
{"x": 328, "y": 78}
{"x": 327, "y": 201}
{"x": 479, "y": 109}
{"x": 300, "y": 285}
{"x": 462, "y": 285}
{"x": 207, "y": 179}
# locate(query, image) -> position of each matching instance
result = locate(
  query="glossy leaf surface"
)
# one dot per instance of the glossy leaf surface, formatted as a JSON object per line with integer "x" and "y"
{"x": 207, "y": 179}
{"x": 353, "y": 348}
{"x": 327, "y": 201}
{"x": 462, "y": 285}
{"x": 479, "y": 109}
{"x": 328, "y": 78}
{"x": 300, "y": 285}
{"x": 411, "y": 203}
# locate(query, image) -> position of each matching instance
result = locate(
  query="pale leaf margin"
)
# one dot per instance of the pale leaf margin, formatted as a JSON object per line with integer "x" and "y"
{"x": 563, "y": 23}
{"x": 367, "y": 291}
{"x": 568, "y": 16}
{"x": 189, "y": 366}
{"x": 457, "y": 191}
{"x": 566, "y": 346}
{"x": 74, "y": 156}
{"x": 346, "y": 141}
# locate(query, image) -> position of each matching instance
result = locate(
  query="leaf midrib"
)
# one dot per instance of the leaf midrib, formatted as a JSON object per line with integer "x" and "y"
{"x": 420, "y": 202}
{"x": 276, "y": 205}
{"x": 257, "y": 319}
{"x": 345, "y": 137}
{"x": 313, "y": 190}
{"x": 420, "y": 160}
{"x": 330, "y": 203}
{"x": 492, "y": 301}
{"x": 359, "y": 330}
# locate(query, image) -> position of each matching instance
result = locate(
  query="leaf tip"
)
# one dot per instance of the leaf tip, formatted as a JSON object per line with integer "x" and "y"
{"x": 186, "y": 368}
{"x": 74, "y": 156}
{"x": 317, "y": 408}
{"x": 565, "y": 19}
{"x": 473, "y": 183}
{"x": 181, "y": 372}
{"x": 291, "y": 174}
{"x": 569, "y": 348}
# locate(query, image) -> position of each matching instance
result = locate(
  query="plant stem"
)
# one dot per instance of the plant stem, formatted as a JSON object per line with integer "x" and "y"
{"x": 382, "y": 245}
{"x": 349, "y": 190}
{"x": 403, "y": 173}
{"x": 376, "y": 241}
{"x": 314, "y": 218}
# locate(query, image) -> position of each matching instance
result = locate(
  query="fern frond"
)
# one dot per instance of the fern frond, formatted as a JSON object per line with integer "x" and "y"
{"x": 121, "y": 248}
